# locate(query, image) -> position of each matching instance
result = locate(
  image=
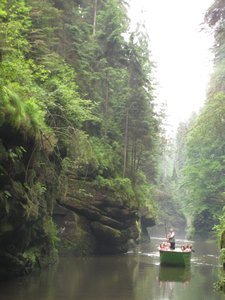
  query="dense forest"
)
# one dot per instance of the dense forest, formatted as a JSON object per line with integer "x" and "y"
{"x": 84, "y": 162}
{"x": 197, "y": 179}
{"x": 79, "y": 135}
{"x": 200, "y": 148}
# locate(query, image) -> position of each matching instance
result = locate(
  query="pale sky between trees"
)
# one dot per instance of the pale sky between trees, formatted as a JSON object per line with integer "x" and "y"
{"x": 181, "y": 51}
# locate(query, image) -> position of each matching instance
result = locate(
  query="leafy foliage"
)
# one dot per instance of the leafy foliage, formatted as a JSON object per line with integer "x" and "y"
{"x": 201, "y": 173}
{"x": 76, "y": 101}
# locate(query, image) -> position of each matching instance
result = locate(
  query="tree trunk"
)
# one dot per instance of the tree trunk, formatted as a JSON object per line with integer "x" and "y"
{"x": 125, "y": 144}
{"x": 106, "y": 108}
{"x": 94, "y": 18}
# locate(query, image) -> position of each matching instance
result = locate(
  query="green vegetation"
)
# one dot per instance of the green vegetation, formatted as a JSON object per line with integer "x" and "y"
{"x": 210, "y": 125}
{"x": 197, "y": 179}
{"x": 76, "y": 105}
{"x": 79, "y": 133}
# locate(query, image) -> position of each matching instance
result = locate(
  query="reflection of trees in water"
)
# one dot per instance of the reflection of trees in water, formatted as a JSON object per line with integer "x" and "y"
{"x": 98, "y": 277}
{"x": 82, "y": 278}
{"x": 137, "y": 276}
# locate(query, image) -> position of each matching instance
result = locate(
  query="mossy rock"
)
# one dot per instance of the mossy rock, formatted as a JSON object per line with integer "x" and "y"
{"x": 75, "y": 235}
{"x": 106, "y": 234}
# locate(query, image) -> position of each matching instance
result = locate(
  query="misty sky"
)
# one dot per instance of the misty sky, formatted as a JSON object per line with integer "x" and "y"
{"x": 181, "y": 51}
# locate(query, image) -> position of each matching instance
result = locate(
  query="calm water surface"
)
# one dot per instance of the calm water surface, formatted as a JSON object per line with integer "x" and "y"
{"x": 134, "y": 276}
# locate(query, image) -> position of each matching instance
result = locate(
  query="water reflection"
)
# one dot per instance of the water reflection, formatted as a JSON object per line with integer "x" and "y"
{"x": 135, "y": 276}
{"x": 169, "y": 276}
{"x": 173, "y": 274}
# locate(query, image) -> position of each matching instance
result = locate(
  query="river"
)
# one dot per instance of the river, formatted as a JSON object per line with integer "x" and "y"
{"x": 136, "y": 275}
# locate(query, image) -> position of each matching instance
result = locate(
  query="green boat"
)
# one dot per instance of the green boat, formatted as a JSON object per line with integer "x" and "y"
{"x": 177, "y": 257}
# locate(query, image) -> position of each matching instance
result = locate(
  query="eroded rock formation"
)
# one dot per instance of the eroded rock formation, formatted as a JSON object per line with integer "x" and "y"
{"x": 100, "y": 220}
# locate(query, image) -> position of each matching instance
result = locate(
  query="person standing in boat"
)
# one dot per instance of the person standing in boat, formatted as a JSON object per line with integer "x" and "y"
{"x": 171, "y": 238}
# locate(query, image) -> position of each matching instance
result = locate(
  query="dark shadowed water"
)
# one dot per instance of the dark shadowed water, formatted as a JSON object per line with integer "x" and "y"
{"x": 134, "y": 276}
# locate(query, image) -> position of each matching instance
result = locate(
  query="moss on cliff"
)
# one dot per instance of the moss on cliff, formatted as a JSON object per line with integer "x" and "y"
{"x": 27, "y": 234}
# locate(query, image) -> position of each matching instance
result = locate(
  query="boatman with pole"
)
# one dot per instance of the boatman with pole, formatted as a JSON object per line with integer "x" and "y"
{"x": 171, "y": 238}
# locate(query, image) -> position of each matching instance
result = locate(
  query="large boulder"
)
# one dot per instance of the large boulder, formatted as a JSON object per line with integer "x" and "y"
{"x": 99, "y": 222}
{"x": 75, "y": 233}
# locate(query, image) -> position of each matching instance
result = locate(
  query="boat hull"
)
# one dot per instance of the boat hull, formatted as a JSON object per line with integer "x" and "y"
{"x": 175, "y": 258}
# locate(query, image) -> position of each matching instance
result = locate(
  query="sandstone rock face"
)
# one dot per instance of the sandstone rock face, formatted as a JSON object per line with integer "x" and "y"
{"x": 27, "y": 193}
{"x": 147, "y": 220}
{"x": 99, "y": 224}
{"x": 34, "y": 190}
